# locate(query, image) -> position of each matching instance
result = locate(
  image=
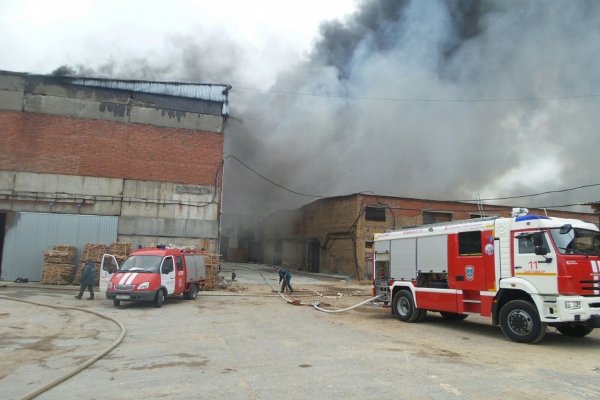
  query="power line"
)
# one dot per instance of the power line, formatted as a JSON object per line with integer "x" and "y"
{"x": 533, "y": 194}
{"x": 456, "y": 201}
{"x": 421, "y": 100}
{"x": 269, "y": 180}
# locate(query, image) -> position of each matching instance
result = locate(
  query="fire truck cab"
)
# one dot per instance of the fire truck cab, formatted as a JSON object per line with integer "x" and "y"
{"x": 527, "y": 272}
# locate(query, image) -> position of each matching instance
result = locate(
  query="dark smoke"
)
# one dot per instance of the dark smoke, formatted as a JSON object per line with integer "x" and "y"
{"x": 430, "y": 99}
{"x": 424, "y": 98}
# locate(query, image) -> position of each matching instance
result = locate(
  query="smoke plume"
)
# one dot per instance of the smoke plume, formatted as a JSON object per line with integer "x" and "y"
{"x": 429, "y": 99}
{"x": 425, "y": 98}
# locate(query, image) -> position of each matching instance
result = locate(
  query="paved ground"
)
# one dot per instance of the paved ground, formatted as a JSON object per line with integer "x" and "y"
{"x": 245, "y": 342}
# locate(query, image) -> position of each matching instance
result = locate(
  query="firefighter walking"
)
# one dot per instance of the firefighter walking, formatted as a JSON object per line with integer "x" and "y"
{"x": 87, "y": 280}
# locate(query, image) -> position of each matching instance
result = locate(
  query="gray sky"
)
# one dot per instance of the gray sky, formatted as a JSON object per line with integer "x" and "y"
{"x": 37, "y": 36}
{"x": 433, "y": 99}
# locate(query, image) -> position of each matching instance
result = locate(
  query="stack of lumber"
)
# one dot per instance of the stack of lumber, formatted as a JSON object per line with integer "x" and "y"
{"x": 120, "y": 250}
{"x": 59, "y": 265}
{"x": 211, "y": 264}
{"x": 92, "y": 252}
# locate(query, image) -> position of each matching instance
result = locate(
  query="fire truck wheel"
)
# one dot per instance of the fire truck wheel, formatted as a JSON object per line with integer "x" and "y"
{"x": 404, "y": 307}
{"x": 520, "y": 322}
{"x": 574, "y": 330}
{"x": 116, "y": 302}
{"x": 193, "y": 293}
{"x": 450, "y": 316}
{"x": 159, "y": 299}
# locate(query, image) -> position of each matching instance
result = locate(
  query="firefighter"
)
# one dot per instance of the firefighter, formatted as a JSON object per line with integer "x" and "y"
{"x": 87, "y": 280}
{"x": 284, "y": 278}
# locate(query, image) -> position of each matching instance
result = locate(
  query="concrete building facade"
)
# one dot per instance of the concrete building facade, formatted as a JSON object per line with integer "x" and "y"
{"x": 149, "y": 153}
{"x": 335, "y": 235}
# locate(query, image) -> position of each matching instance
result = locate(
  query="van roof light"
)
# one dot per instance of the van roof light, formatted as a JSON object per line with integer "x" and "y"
{"x": 518, "y": 211}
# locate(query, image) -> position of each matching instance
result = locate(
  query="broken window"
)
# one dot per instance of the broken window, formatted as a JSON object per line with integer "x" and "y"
{"x": 374, "y": 213}
{"x": 430, "y": 217}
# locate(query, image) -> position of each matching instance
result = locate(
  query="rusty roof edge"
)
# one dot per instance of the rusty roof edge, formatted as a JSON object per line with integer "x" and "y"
{"x": 210, "y": 92}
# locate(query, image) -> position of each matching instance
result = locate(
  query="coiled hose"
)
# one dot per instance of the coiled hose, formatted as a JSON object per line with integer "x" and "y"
{"x": 80, "y": 367}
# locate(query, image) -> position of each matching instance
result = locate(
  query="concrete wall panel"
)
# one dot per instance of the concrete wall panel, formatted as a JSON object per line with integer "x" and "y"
{"x": 65, "y": 194}
{"x": 176, "y": 119}
{"x": 11, "y": 100}
{"x": 12, "y": 82}
{"x": 7, "y": 181}
{"x": 77, "y": 108}
{"x": 112, "y": 111}
{"x": 210, "y": 245}
{"x": 82, "y": 185}
{"x": 133, "y": 226}
{"x": 172, "y": 200}
{"x": 44, "y": 86}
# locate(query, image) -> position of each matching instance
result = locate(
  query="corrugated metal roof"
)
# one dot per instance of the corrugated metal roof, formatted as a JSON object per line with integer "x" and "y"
{"x": 209, "y": 92}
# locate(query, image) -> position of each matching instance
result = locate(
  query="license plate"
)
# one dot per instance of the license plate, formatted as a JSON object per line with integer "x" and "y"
{"x": 122, "y": 297}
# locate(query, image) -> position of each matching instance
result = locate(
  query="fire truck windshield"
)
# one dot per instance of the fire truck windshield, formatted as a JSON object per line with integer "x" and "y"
{"x": 142, "y": 263}
{"x": 577, "y": 241}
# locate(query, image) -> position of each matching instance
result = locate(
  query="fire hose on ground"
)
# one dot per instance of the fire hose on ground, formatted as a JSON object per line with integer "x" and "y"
{"x": 316, "y": 304}
{"x": 80, "y": 367}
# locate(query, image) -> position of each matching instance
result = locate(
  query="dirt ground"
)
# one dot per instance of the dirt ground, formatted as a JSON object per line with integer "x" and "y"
{"x": 245, "y": 341}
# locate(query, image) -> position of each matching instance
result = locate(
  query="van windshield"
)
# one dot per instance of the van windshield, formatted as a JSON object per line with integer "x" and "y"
{"x": 577, "y": 241}
{"x": 142, "y": 263}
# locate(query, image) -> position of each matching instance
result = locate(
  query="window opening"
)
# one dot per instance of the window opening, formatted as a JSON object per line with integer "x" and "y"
{"x": 374, "y": 213}
{"x": 469, "y": 243}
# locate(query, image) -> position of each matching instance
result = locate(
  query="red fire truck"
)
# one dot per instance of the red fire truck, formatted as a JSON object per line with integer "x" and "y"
{"x": 527, "y": 272}
{"x": 152, "y": 274}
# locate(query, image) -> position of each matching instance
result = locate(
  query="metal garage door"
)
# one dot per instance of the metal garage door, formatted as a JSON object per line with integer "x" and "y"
{"x": 28, "y": 235}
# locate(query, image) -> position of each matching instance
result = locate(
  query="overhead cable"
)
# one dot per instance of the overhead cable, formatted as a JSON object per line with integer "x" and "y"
{"x": 269, "y": 180}
{"x": 456, "y": 201}
{"x": 422, "y": 100}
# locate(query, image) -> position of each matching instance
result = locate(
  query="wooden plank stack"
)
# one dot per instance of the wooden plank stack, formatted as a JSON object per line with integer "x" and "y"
{"x": 120, "y": 250}
{"x": 96, "y": 251}
{"x": 211, "y": 264}
{"x": 59, "y": 265}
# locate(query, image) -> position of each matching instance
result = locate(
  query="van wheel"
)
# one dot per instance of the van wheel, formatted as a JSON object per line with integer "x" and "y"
{"x": 404, "y": 307}
{"x": 574, "y": 330}
{"x": 159, "y": 299}
{"x": 450, "y": 316}
{"x": 116, "y": 302}
{"x": 520, "y": 322}
{"x": 193, "y": 293}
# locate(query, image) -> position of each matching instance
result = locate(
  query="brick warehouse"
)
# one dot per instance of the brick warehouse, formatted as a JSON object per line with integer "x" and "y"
{"x": 132, "y": 161}
{"x": 335, "y": 234}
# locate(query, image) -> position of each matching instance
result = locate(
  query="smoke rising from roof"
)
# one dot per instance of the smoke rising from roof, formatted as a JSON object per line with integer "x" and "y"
{"x": 427, "y": 99}
{"x": 430, "y": 99}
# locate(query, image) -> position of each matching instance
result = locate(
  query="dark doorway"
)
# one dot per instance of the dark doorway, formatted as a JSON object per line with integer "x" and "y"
{"x": 2, "y": 230}
{"x": 277, "y": 249}
{"x": 314, "y": 251}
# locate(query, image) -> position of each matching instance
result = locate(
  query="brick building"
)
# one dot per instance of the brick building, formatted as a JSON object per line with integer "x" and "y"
{"x": 87, "y": 159}
{"x": 335, "y": 234}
